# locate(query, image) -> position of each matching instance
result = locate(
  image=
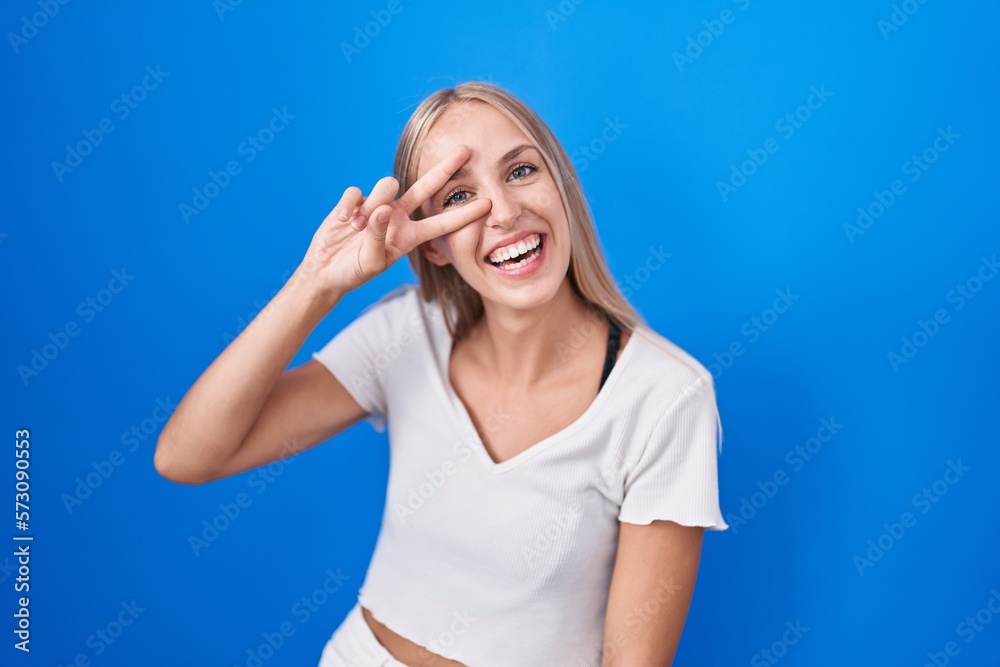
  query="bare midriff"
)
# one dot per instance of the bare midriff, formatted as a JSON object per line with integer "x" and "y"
{"x": 402, "y": 649}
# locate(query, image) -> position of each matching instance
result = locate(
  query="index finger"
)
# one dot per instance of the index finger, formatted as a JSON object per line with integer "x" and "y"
{"x": 425, "y": 187}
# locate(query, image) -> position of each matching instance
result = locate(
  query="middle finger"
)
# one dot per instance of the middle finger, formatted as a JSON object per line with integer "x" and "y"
{"x": 425, "y": 187}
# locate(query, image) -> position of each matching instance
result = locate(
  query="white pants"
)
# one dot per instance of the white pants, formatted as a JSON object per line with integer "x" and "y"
{"x": 354, "y": 644}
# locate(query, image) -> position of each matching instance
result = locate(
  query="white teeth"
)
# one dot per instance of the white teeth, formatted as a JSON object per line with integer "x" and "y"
{"x": 514, "y": 250}
{"x": 527, "y": 260}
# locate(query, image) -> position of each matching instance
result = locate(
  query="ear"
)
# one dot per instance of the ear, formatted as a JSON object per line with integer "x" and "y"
{"x": 432, "y": 254}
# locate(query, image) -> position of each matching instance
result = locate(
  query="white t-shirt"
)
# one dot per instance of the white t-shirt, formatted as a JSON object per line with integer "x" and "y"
{"x": 509, "y": 564}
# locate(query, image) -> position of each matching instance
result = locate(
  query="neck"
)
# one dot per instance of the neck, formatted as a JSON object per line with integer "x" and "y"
{"x": 521, "y": 347}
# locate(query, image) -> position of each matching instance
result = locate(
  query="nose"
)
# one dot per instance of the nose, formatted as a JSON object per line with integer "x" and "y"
{"x": 506, "y": 208}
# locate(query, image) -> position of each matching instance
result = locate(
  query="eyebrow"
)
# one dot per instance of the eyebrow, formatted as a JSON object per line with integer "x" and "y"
{"x": 463, "y": 171}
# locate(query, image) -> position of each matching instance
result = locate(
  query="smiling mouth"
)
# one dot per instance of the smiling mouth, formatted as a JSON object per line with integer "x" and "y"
{"x": 518, "y": 255}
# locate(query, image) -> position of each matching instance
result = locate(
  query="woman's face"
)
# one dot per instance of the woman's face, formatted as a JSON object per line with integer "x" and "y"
{"x": 526, "y": 223}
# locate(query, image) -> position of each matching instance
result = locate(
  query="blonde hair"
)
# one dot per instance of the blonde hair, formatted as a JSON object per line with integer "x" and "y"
{"x": 588, "y": 272}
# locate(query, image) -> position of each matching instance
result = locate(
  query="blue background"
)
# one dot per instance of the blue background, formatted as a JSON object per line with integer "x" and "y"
{"x": 791, "y": 556}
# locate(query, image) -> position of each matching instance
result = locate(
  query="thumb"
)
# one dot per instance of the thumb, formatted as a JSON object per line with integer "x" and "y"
{"x": 373, "y": 248}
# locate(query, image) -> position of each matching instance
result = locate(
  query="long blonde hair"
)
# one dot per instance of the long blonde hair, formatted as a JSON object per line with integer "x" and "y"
{"x": 588, "y": 272}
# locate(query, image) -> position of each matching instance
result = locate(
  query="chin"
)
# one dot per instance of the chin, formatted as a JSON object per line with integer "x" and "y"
{"x": 538, "y": 292}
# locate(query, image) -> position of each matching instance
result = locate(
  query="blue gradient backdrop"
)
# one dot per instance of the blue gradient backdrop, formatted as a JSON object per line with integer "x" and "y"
{"x": 698, "y": 96}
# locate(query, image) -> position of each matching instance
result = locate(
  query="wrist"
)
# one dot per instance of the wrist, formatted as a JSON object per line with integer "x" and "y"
{"x": 315, "y": 296}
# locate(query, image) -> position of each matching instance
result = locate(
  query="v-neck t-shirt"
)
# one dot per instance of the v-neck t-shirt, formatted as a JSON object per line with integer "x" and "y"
{"x": 510, "y": 563}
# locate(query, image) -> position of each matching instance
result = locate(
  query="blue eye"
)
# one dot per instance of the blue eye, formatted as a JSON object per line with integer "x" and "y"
{"x": 450, "y": 199}
{"x": 522, "y": 166}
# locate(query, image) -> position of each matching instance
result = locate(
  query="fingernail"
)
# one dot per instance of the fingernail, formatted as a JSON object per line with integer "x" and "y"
{"x": 358, "y": 222}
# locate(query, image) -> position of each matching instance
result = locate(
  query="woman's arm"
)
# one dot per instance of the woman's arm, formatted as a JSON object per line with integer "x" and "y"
{"x": 651, "y": 588}
{"x": 245, "y": 411}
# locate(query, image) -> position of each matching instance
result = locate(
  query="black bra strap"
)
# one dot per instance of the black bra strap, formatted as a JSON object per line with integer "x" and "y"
{"x": 614, "y": 339}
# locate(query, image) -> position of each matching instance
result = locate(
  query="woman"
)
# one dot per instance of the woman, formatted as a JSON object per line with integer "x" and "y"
{"x": 553, "y": 459}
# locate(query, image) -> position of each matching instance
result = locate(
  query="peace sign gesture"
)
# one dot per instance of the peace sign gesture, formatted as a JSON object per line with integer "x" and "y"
{"x": 363, "y": 236}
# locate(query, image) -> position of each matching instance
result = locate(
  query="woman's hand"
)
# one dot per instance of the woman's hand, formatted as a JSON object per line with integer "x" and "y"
{"x": 363, "y": 236}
